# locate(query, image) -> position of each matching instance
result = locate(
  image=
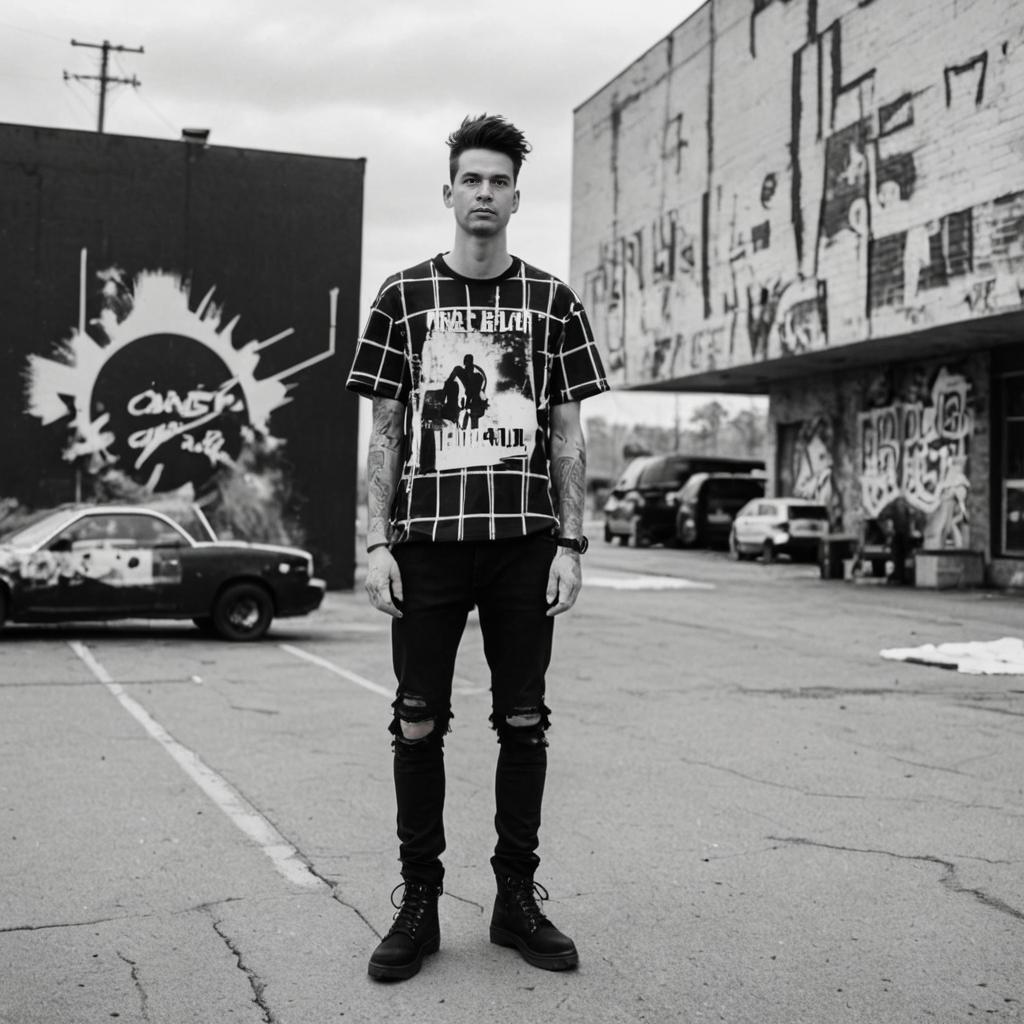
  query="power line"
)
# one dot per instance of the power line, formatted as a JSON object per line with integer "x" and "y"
{"x": 103, "y": 77}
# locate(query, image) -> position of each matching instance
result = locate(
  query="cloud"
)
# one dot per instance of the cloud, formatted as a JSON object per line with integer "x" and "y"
{"x": 384, "y": 80}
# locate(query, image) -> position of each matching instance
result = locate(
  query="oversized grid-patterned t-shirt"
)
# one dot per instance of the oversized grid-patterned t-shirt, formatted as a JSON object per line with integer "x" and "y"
{"x": 478, "y": 365}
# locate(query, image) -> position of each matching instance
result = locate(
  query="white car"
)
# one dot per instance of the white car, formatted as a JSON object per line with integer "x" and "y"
{"x": 772, "y": 526}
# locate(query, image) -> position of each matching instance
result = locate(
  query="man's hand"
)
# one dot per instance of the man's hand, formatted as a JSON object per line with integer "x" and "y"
{"x": 564, "y": 581}
{"x": 383, "y": 581}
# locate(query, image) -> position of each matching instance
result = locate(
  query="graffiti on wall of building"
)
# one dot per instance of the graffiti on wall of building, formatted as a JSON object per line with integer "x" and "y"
{"x": 812, "y": 461}
{"x": 157, "y": 389}
{"x": 643, "y": 283}
{"x": 855, "y": 233}
{"x": 916, "y": 452}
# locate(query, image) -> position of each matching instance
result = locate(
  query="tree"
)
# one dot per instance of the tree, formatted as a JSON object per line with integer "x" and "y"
{"x": 708, "y": 419}
{"x": 750, "y": 427}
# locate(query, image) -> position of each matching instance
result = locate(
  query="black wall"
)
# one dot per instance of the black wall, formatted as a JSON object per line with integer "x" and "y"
{"x": 272, "y": 234}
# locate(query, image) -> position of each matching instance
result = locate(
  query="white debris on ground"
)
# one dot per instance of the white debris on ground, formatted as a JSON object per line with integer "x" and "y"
{"x": 1004, "y": 657}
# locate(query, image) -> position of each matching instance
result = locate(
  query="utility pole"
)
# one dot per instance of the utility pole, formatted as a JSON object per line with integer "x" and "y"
{"x": 103, "y": 78}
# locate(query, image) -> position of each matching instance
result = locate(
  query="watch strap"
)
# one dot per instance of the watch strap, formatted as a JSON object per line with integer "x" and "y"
{"x": 577, "y": 544}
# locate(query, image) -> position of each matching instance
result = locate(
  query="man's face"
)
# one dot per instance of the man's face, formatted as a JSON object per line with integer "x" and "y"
{"x": 483, "y": 194}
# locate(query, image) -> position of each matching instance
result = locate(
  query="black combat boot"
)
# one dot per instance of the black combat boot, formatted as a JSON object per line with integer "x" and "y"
{"x": 414, "y": 934}
{"x": 518, "y": 922}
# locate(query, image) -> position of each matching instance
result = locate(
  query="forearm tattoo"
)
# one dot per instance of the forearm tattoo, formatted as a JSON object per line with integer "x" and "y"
{"x": 570, "y": 479}
{"x": 383, "y": 464}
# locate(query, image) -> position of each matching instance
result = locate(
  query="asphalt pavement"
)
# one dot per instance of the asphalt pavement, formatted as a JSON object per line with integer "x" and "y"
{"x": 751, "y": 816}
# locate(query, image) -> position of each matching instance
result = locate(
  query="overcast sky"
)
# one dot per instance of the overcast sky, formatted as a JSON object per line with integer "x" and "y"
{"x": 386, "y": 80}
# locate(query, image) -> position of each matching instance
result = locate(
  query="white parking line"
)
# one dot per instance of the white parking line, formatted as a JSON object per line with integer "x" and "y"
{"x": 282, "y": 854}
{"x": 329, "y": 666}
{"x": 460, "y": 686}
{"x": 637, "y": 581}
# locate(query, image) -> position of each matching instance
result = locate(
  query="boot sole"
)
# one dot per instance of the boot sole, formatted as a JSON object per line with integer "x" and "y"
{"x": 545, "y": 961}
{"x": 399, "y": 972}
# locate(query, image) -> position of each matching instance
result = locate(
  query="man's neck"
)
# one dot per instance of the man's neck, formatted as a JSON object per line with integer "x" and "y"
{"x": 479, "y": 257}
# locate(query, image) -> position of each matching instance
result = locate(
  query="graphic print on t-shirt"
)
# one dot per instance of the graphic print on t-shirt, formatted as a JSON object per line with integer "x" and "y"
{"x": 473, "y": 404}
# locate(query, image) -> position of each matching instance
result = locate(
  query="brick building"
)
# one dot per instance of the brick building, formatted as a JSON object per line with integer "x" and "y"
{"x": 823, "y": 201}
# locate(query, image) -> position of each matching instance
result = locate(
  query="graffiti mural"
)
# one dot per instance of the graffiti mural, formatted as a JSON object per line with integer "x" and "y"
{"x": 917, "y": 452}
{"x": 156, "y": 388}
{"x": 644, "y": 283}
{"x": 162, "y": 343}
{"x": 812, "y": 461}
{"x": 852, "y": 217}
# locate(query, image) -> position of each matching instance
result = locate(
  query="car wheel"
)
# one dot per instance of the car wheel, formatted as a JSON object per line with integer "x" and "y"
{"x": 735, "y": 551}
{"x": 679, "y": 537}
{"x": 638, "y": 535}
{"x": 243, "y": 611}
{"x": 767, "y": 552}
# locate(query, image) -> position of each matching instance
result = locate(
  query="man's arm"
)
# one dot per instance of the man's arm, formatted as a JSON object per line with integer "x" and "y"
{"x": 383, "y": 468}
{"x": 568, "y": 474}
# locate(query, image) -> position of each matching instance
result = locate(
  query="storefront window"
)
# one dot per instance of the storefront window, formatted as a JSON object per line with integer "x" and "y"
{"x": 1013, "y": 464}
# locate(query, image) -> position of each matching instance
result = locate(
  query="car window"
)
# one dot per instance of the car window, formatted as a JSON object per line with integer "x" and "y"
{"x": 808, "y": 512}
{"x": 735, "y": 488}
{"x": 767, "y": 508}
{"x": 118, "y": 530}
{"x": 631, "y": 474}
{"x": 34, "y": 529}
{"x": 665, "y": 473}
{"x": 692, "y": 486}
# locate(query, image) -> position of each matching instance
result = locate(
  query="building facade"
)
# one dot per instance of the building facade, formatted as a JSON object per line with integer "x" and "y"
{"x": 823, "y": 201}
{"x": 178, "y": 321}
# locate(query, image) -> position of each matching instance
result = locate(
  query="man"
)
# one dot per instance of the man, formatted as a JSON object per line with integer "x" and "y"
{"x": 485, "y": 511}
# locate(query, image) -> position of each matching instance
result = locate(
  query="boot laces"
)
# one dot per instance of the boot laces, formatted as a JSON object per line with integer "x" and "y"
{"x": 412, "y": 908}
{"x": 524, "y": 896}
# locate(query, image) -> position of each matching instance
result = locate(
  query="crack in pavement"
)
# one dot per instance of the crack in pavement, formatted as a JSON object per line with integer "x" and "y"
{"x": 948, "y": 880}
{"x": 877, "y": 797}
{"x": 143, "y": 994}
{"x": 255, "y": 983}
{"x": 71, "y": 924}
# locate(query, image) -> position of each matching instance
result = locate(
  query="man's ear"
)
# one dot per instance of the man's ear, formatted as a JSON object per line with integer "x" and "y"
{"x": 446, "y": 193}
{"x": 515, "y": 201}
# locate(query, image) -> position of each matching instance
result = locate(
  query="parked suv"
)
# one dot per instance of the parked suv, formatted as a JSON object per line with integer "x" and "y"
{"x": 707, "y": 504}
{"x": 637, "y": 508}
{"x": 774, "y": 526}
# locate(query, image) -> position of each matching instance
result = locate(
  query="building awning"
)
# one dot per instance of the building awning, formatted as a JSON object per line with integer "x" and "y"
{"x": 947, "y": 341}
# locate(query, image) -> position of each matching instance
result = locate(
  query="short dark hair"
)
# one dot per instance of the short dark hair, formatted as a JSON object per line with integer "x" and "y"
{"x": 488, "y": 131}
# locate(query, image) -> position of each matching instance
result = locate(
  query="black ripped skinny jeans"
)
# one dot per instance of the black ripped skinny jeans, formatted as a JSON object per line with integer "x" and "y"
{"x": 506, "y": 580}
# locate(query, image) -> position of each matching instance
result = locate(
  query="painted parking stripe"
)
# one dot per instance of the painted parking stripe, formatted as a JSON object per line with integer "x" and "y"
{"x": 460, "y": 685}
{"x": 637, "y": 581}
{"x": 329, "y": 666}
{"x": 282, "y": 854}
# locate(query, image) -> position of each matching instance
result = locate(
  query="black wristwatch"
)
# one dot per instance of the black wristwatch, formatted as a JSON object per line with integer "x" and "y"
{"x": 577, "y": 544}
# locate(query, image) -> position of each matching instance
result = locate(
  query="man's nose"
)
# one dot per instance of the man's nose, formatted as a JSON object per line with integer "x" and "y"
{"x": 483, "y": 190}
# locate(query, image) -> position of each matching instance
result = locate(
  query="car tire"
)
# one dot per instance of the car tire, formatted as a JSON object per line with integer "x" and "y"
{"x": 735, "y": 551}
{"x": 242, "y": 612}
{"x": 638, "y": 535}
{"x": 767, "y": 552}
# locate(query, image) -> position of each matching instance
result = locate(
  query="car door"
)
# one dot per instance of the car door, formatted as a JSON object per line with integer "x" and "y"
{"x": 78, "y": 563}
{"x": 110, "y": 565}
{"x": 745, "y": 524}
